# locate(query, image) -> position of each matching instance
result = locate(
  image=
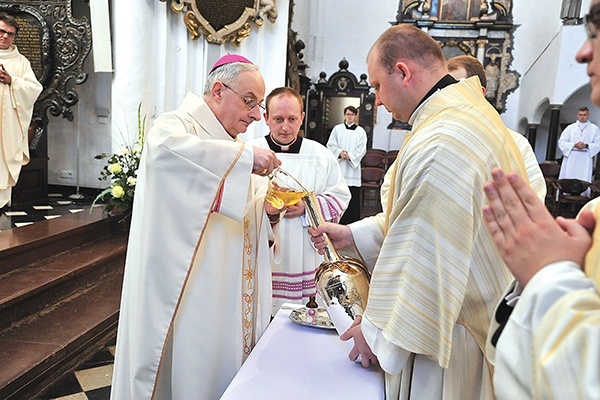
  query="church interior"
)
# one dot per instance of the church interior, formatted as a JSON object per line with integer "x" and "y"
{"x": 109, "y": 68}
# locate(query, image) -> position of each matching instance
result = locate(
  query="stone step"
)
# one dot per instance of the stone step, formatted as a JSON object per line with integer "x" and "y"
{"x": 29, "y": 289}
{"x": 32, "y": 243}
{"x": 40, "y": 351}
{"x": 60, "y": 289}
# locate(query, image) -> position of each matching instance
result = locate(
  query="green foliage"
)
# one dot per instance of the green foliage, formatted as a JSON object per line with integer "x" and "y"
{"x": 121, "y": 171}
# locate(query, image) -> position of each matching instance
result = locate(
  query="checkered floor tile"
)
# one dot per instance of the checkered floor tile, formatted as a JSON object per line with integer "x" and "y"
{"x": 91, "y": 381}
{"x": 55, "y": 206}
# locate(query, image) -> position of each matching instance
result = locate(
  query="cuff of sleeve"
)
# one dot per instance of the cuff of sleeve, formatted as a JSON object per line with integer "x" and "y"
{"x": 391, "y": 357}
{"x": 547, "y": 287}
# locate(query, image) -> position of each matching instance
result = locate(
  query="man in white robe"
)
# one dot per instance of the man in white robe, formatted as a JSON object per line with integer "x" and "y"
{"x": 436, "y": 275}
{"x": 545, "y": 340}
{"x": 197, "y": 289}
{"x": 19, "y": 89}
{"x": 579, "y": 143}
{"x": 348, "y": 142}
{"x": 315, "y": 167}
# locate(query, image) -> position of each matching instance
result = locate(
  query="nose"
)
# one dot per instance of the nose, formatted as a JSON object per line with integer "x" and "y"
{"x": 378, "y": 101}
{"x": 255, "y": 113}
{"x": 585, "y": 53}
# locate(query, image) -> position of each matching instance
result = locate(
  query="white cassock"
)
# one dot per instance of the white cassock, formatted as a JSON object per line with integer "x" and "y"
{"x": 354, "y": 141}
{"x": 437, "y": 274}
{"x": 296, "y": 260}
{"x": 197, "y": 286}
{"x": 579, "y": 163}
{"x": 17, "y": 100}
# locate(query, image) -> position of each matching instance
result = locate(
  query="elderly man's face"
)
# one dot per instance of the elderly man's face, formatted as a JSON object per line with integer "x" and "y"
{"x": 589, "y": 53}
{"x": 233, "y": 112}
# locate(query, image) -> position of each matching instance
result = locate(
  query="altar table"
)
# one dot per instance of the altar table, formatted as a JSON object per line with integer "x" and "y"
{"x": 297, "y": 362}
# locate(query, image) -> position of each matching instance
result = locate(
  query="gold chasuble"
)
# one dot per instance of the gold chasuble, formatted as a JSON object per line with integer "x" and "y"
{"x": 197, "y": 286}
{"x": 438, "y": 268}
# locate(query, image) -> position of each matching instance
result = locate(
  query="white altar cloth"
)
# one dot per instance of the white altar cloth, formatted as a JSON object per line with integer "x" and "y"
{"x": 296, "y": 362}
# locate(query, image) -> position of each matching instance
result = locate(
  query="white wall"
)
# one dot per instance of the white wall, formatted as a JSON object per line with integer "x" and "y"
{"x": 155, "y": 63}
{"x": 336, "y": 29}
{"x": 159, "y": 65}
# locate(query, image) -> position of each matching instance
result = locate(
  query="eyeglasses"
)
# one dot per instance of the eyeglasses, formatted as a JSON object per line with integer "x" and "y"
{"x": 592, "y": 23}
{"x": 249, "y": 102}
{"x": 6, "y": 33}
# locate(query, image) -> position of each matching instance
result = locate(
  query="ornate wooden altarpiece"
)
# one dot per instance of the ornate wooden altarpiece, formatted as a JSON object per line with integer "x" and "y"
{"x": 56, "y": 44}
{"x": 224, "y": 20}
{"x": 341, "y": 89}
{"x": 481, "y": 28}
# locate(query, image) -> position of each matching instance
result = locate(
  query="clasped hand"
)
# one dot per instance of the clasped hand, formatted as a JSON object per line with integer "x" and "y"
{"x": 527, "y": 236}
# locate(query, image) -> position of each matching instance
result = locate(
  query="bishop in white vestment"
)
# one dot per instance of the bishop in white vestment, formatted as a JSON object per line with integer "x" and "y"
{"x": 197, "y": 287}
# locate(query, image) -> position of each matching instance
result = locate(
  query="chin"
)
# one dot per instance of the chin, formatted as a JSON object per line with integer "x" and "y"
{"x": 595, "y": 96}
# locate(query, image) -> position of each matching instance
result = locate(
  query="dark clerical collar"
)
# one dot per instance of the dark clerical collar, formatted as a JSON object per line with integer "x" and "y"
{"x": 351, "y": 127}
{"x": 294, "y": 147}
{"x": 445, "y": 81}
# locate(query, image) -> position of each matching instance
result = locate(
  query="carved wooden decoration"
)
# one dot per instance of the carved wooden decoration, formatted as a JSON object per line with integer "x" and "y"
{"x": 224, "y": 20}
{"x": 482, "y": 29}
{"x": 341, "y": 85}
{"x": 56, "y": 44}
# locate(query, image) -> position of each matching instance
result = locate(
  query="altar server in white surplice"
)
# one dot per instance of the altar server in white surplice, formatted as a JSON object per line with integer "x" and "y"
{"x": 437, "y": 274}
{"x": 316, "y": 168}
{"x": 579, "y": 143}
{"x": 19, "y": 89}
{"x": 197, "y": 287}
{"x": 348, "y": 142}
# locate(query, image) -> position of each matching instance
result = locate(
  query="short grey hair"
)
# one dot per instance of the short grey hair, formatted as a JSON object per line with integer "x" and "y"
{"x": 227, "y": 74}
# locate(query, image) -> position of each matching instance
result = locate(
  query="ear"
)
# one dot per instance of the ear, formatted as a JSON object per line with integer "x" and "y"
{"x": 217, "y": 90}
{"x": 404, "y": 72}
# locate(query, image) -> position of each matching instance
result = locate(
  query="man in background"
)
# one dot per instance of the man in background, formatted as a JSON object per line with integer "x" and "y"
{"x": 316, "y": 168}
{"x": 436, "y": 275}
{"x": 348, "y": 142}
{"x": 197, "y": 286}
{"x": 467, "y": 66}
{"x": 19, "y": 90}
{"x": 579, "y": 143}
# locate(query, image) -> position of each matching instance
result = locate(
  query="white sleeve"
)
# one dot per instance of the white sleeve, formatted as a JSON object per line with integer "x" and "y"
{"x": 519, "y": 367}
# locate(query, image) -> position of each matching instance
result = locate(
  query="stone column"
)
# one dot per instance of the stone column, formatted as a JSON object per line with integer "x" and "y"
{"x": 553, "y": 132}
{"x": 531, "y": 134}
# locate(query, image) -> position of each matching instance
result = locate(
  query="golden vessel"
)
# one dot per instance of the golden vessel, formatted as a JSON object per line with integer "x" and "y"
{"x": 284, "y": 190}
{"x": 342, "y": 282}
